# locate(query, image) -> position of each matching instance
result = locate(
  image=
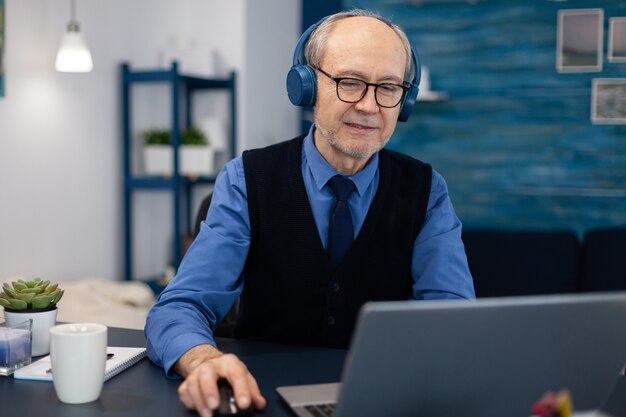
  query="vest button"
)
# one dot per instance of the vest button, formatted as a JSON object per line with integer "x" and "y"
{"x": 330, "y": 320}
{"x": 336, "y": 287}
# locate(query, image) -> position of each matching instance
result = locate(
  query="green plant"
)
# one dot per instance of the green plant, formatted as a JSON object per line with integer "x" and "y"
{"x": 30, "y": 295}
{"x": 191, "y": 136}
{"x": 157, "y": 137}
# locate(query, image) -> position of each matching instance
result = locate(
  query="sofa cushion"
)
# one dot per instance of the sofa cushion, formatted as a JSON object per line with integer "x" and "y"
{"x": 604, "y": 260}
{"x": 510, "y": 263}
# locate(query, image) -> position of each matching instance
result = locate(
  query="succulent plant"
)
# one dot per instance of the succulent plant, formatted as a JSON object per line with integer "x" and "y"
{"x": 30, "y": 295}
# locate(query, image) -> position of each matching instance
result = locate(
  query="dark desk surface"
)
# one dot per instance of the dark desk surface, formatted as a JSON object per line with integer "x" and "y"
{"x": 143, "y": 390}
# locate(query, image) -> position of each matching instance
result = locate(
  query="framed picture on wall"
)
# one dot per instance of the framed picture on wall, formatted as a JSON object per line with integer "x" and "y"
{"x": 617, "y": 39}
{"x": 579, "y": 40}
{"x": 2, "y": 13}
{"x": 608, "y": 100}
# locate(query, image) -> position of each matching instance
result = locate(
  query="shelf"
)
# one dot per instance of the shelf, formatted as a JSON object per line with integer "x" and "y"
{"x": 425, "y": 93}
{"x": 165, "y": 182}
{"x": 192, "y": 82}
{"x": 432, "y": 96}
{"x": 181, "y": 86}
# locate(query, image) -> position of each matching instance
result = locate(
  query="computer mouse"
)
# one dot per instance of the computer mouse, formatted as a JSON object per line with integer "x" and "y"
{"x": 228, "y": 407}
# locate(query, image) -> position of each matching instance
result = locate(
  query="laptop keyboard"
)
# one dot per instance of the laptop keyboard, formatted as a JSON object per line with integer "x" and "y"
{"x": 321, "y": 410}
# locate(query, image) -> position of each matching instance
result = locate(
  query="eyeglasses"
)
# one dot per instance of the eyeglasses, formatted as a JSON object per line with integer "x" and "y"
{"x": 352, "y": 90}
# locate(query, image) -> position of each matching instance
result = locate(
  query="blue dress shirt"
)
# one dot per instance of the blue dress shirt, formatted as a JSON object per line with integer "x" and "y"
{"x": 209, "y": 279}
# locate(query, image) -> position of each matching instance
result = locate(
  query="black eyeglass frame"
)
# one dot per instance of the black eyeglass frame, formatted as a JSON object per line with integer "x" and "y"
{"x": 337, "y": 80}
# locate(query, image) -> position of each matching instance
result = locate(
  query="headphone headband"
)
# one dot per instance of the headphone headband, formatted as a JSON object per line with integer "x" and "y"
{"x": 304, "y": 38}
{"x": 302, "y": 80}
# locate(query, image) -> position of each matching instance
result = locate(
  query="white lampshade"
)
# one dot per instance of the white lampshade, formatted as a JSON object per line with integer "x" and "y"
{"x": 73, "y": 55}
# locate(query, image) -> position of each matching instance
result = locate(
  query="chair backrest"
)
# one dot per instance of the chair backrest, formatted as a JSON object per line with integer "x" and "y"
{"x": 512, "y": 263}
{"x": 202, "y": 212}
{"x": 604, "y": 260}
{"x": 227, "y": 326}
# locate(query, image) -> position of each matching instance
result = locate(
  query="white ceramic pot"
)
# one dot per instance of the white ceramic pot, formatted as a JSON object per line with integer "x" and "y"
{"x": 157, "y": 160}
{"x": 196, "y": 160}
{"x": 42, "y": 321}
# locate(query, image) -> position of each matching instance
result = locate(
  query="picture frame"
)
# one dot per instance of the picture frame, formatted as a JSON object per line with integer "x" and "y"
{"x": 2, "y": 45}
{"x": 580, "y": 34}
{"x": 608, "y": 101}
{"x": 617, "y": 39}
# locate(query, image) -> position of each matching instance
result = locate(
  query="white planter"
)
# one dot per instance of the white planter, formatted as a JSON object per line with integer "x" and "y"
{"x": 42, "y": 322}
{"x": 157, "y": 160}
{"x": 194, "y": 160}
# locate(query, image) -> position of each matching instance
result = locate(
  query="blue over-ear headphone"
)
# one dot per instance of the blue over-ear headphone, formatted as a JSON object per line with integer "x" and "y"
{"x": 302, "y": 80}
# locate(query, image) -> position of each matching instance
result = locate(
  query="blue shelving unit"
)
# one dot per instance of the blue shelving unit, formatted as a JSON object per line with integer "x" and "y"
{"x": 180, "y": 187}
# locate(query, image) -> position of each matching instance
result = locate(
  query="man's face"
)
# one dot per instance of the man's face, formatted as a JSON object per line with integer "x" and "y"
{"x": 367, "y": 49}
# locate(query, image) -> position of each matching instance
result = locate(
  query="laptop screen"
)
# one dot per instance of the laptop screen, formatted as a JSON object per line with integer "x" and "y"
{"x": 490, "y": 358}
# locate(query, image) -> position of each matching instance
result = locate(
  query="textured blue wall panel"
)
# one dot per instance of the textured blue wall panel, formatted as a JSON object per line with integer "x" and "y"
{"x": 514, "y": 139}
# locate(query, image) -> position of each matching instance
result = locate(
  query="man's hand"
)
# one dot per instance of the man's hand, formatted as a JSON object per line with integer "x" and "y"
{"x": 202, "y": 366}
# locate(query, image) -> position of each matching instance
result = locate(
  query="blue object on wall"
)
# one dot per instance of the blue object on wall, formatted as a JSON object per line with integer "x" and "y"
{"x": 514, "y": 139}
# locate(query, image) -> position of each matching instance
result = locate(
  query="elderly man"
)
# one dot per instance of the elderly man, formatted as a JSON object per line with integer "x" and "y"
{"x": 307, "y": 230}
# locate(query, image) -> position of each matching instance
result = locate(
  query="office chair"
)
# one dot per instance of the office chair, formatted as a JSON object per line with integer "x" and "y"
{"x": 227, "y": 327}
{"x": 202, "y": 212}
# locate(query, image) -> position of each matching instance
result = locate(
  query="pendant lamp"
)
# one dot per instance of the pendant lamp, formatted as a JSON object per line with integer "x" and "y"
{"x": 73, "y": 55}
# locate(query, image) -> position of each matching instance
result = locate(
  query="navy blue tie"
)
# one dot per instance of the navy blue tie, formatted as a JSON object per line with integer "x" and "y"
{"x": 340, "y": 228}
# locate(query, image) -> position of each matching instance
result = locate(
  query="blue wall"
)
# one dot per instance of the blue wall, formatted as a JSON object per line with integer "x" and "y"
{"x": 514, "y": 139}
{"x": 314, "y": 10}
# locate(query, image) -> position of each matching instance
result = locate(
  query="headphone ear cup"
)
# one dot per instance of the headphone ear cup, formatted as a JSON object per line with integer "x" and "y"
{"x": 408, "y": 103}
{"x": 302, "y": 86}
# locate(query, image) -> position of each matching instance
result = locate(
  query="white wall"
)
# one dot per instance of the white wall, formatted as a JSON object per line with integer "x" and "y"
{"x": 267, "y": 69}
{"x": 60, "y": 152}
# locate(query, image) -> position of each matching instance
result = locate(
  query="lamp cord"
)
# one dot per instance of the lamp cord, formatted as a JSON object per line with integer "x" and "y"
{"x": 73, "y": 25}
{"x": 73, "y": 10}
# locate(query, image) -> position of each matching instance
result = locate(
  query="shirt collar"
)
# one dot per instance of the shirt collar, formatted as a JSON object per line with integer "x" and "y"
{"x": 322, "y": 171}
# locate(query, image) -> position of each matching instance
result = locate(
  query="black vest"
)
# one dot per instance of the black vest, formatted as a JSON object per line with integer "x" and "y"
{"x": 291, "y": 292}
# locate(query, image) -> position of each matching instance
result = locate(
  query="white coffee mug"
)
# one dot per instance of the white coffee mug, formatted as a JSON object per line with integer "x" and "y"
{"x": 78, "y": 355}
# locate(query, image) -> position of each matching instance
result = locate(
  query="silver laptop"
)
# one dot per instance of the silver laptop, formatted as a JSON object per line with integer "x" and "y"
{"x": 487, "y": 358}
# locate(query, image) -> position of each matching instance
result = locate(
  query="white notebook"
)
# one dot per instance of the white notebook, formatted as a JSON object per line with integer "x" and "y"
{"x": 123, "y": 358}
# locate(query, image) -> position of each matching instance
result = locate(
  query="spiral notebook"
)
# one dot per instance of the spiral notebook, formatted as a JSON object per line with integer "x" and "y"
{"x": 122, "y": 359}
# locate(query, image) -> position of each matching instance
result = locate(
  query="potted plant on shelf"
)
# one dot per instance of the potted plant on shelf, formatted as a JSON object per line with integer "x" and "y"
{"x": 196, "y": 157}
{"x": 157, "y": 152}
{"x": 37, "y": 300}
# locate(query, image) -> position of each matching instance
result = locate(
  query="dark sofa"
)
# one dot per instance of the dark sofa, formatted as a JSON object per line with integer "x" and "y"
{"x": 509, "y": 263}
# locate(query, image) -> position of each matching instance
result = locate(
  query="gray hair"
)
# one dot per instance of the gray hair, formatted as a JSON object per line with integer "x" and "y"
{"x": 316, "y": 45}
